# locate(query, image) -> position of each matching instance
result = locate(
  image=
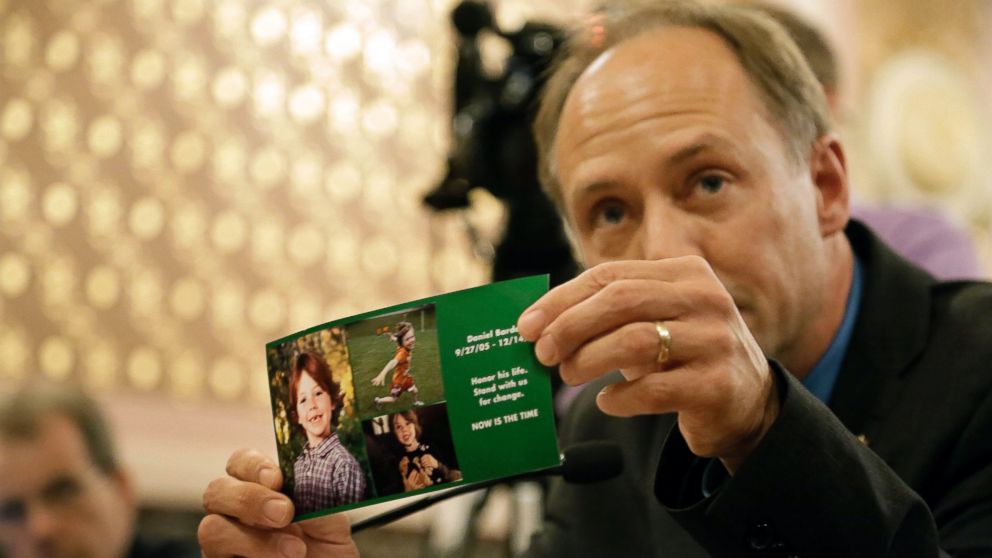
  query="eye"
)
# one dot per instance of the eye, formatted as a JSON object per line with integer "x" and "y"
{"x": 609, "y": 213}
{"x": 13, "y": 511}
{"x": 712, "y": 183}
{"x": 61, "y": 491}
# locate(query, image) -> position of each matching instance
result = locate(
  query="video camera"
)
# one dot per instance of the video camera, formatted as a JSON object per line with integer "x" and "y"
{"x": 493, "y": 147}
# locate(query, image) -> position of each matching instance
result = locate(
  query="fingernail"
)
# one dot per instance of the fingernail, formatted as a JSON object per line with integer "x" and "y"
{"x": 276, "y": 511}
{"x": 531, "y": 323}
{"x": 546, "y": 350}
{"x": 268, "y": 477}
{"x": 292, "y": 547}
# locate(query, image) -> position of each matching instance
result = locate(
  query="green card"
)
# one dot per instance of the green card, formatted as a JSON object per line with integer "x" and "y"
{"x": 412, "y": 398}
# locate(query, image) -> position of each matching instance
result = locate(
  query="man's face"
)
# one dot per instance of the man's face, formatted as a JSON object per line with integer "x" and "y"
{"x": 665, "y": 149}
{"x": 313, "y": 407}
{"x": 55, "y": 502}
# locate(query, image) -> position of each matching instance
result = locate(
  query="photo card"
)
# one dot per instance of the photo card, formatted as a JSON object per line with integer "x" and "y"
{"x": 410, "y": 399}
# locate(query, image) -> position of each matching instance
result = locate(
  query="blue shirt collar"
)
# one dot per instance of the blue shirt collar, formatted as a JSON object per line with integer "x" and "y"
{"x": 820, "y": 381}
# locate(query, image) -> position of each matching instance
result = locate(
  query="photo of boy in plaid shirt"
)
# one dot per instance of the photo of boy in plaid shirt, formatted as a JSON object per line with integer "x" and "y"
{"x": 326, "y": 474}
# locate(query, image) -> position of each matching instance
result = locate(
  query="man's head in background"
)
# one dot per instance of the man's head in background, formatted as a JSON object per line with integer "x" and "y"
{"x": 62, "y": 491}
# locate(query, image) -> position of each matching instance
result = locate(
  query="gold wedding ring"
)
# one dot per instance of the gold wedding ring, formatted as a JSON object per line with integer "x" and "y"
{"x": 665, "y": 344}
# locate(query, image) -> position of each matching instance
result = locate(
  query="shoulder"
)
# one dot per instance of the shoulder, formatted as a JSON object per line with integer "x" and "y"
{"x": 938, "y": 397}
{"x": 300, "y": 460}
{"x": 960, "y": 340}
{"x": 340, "y": 455}
{"x": 969, "y": 301}
{"x": 961, "y": 320}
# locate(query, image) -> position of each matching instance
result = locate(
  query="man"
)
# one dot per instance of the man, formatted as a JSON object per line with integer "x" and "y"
{"x": 62, "y": 491}
{"x": 688, "y": 149}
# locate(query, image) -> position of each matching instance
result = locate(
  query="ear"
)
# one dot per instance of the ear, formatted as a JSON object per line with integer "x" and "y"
{"x": 828, "y": 172}
{"x": 125, "y": 486}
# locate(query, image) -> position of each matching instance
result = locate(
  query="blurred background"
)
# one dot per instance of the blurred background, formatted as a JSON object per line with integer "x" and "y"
{"x": 182, "y": 181}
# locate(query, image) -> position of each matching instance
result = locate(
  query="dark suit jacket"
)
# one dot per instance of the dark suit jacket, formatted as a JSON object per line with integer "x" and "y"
{"x": 915, "y": 385}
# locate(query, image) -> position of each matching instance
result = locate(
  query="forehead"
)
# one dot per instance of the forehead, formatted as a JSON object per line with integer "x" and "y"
{"x": 660, "y": 72}
{"x": 666, "y": 60}
{"x": 28, "y": 464}
{"x": 307, "y": 382}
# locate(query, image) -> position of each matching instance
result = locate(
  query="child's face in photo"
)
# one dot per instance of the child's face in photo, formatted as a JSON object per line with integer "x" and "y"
{"x": 313, "y": 407}
{"x": 406, "y": 432}
{"x": 409, "y": 340}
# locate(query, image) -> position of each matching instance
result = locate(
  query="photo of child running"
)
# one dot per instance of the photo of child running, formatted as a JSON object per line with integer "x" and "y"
{"x": 405, "y": 339}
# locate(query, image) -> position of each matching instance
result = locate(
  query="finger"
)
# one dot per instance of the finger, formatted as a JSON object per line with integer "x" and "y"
{"x": 619, "y": 303}
{"x": 634, "y": 348}
{"x": 653, "y": 394}
{"x": 535, "y": 318}
{"x": 222, "y": 537}
{"x": 253, "y": 466}
{"x": 631, "y": 347}
{"x": 330, "y": 535}
{"x": 250, "y": 503}
{"x": 634, "y": 372}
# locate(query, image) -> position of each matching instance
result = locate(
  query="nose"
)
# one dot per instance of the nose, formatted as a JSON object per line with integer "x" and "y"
{"x": 666, "y": 231}
{"x": 41, "y": 522}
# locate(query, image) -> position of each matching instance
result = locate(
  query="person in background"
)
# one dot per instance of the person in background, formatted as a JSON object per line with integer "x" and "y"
{"x": 63, "y": 491}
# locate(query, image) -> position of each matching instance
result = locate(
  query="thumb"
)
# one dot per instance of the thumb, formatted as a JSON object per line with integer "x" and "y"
{"x": 329, "y": 536}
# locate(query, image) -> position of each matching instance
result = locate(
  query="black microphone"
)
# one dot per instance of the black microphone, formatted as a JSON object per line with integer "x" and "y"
{"x": 584, "y": 463}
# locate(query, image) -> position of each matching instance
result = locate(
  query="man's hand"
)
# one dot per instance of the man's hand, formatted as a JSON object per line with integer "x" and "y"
{"x": 248, "y": 517}
{"x": 716, "y": 379}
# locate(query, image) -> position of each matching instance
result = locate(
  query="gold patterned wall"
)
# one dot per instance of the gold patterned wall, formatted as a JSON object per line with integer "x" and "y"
{"x": 924, "y": 130}
{"x": 182, "y": 181}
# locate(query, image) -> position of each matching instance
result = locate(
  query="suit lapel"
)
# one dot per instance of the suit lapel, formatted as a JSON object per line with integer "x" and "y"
{"x": 890, "y": 331}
